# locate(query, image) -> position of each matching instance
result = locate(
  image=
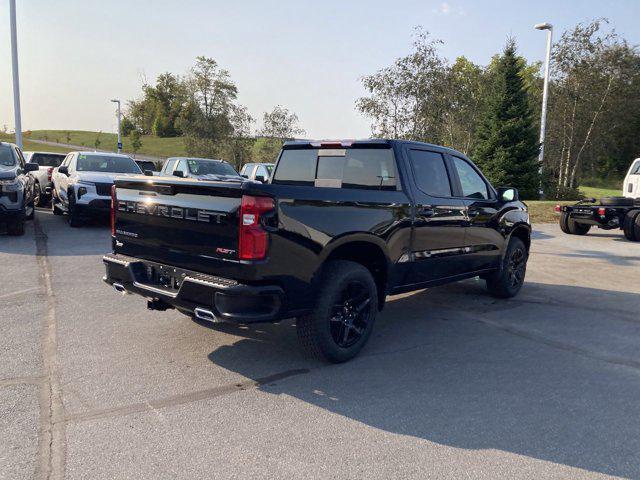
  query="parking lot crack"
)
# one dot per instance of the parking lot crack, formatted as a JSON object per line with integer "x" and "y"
{"x": 51, "y": 435}
{"x": 155, "y": 405}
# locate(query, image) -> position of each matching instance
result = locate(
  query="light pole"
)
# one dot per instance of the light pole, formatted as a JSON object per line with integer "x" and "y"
{"x": 119, "y": 138}
{"x": 545, "y": 94}
{"x": 16, "y": 78}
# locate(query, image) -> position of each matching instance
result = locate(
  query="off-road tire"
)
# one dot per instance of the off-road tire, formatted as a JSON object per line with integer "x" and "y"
{"x": 38, "y": 195}
{"x": 315, "y": 329}
{"x": 631, "y": 225}
{"x": 501, "y": 284}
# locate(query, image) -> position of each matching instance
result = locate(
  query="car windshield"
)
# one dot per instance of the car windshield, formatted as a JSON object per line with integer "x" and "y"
{"x": 7, "y": 159}
{"x": 47, "y": 159}
{"x": 106, "y": 163}
{"x": 210, "y": 167}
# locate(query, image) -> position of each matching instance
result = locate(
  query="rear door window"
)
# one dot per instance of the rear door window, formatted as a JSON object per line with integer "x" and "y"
{"x": 430, "y": 173}
{"x": 635, "y": 170}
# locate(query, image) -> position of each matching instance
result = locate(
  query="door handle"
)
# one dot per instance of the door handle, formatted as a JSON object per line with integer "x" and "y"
{"x": 426, "y": 212}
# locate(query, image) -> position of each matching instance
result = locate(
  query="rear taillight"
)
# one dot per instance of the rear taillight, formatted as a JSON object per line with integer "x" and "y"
{"x": 602, "y": 211}
{"x": 49, "y": 172}
{"x": 558, "y": 208}
{"x": 114, "y": 200}
{"x": 253, "y": 238}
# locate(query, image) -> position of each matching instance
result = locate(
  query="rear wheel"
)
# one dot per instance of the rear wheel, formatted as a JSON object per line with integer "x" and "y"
{"x": 569, "y": 226}
{"x": 508, "y": 281}
{"x": 631, "y": 225}
{"x": 342, "y": 320}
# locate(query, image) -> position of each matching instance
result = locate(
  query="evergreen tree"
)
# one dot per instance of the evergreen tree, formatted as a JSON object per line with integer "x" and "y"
{"x": 507, "y": 144}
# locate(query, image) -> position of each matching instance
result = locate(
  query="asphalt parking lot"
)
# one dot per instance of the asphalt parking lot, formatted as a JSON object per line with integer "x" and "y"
{"x": 453, "y": 384}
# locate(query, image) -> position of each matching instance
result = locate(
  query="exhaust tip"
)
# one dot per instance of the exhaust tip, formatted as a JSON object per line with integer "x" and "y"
{"x": 118, "y": 287}
{"x": 203, "y": 314}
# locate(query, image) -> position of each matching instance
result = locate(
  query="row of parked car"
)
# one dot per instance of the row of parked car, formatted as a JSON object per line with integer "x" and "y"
{"x": 79, "y": 184}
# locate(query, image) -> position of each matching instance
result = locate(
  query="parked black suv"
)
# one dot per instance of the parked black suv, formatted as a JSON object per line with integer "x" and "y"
{"x": 16, "y": 189}
{"x": 338, "y": 227}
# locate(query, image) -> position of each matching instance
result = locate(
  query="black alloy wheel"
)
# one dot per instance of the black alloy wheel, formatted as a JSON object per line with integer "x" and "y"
{"x": 516, "y": 267}
{"x": 350, "y": 316}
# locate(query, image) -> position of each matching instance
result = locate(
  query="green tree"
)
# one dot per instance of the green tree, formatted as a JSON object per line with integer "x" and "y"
{"x": 206, "y": 118}
{"x": 136, "y": 142}
{"x": 507, "y": 145}
{"x": 97, "y": 141}
{"x": 127, "y": 126}
{"x": 278, "y": 126}
{"x": 594, "y": 124}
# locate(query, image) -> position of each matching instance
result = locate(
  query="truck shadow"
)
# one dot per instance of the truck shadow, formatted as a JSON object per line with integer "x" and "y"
{"x": 448, "y": 366}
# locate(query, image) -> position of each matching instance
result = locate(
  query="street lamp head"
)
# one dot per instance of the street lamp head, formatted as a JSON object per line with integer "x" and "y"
{"x": 543, "y": 26}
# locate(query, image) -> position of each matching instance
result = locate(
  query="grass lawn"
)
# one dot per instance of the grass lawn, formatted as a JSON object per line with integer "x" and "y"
{"x": 156, "y": 146}
{"x": 597, "y": 193}
{"x": 31, "y": 146}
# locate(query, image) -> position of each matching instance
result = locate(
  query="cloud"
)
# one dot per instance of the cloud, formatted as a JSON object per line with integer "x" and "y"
{"x": 445, "y": 9}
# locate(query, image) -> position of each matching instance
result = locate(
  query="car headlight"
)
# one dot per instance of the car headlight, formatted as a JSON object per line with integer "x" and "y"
{"x": 11, "y": 185}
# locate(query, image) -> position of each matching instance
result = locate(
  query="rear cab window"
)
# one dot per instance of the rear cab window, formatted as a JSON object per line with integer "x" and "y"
{"x": 357, "y": 168}
{"x": 47, "y": 159}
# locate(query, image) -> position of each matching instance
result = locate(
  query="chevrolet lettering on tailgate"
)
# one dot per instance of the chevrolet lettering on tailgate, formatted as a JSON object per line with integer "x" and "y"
{"x": 168, "y": 211}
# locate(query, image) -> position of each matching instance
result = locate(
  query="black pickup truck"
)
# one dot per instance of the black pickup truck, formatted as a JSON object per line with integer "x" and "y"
{"x": 337, "y": 228}
{"x": 608, "y": 214}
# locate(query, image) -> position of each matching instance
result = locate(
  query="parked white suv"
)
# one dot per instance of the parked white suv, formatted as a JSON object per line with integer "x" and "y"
{"x": 47, "y": 162}
{"x": 631, "y": 185}
{"x": 82, "y": 183}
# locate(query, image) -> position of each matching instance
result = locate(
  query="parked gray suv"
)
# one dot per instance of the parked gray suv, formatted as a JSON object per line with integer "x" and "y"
{"x": 16, "y": 189}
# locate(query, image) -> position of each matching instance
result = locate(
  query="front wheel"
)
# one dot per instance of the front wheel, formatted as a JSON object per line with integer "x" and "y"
{"x": 74, "y": 217}
{"x": 38, "y": 197}
{"x": 55, "y": 209}
{"x": 342, "y": 320}
{"x": 507, "y": 282}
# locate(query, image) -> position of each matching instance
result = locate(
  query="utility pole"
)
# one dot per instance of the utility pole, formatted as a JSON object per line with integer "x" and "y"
{"x": 16, "y": 77}
{"x": 545, "y": 94}
{"x": 119, "y": 129}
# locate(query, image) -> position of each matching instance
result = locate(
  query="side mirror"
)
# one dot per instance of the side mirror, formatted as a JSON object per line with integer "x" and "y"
{"x": 179, "y": 173}
{"x": 244, "y": 175}
{"x": 64, "y": 170}
{"x": 508, "y": 194}
{"x": 261, "y": 178}
{"x": 31, "y": 167}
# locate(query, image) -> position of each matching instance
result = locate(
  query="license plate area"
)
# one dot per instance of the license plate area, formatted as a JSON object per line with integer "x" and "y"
{"x": 159, "y": 276}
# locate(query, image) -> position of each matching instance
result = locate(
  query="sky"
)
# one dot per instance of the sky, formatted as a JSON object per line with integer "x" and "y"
{"x": 76, "y": 55}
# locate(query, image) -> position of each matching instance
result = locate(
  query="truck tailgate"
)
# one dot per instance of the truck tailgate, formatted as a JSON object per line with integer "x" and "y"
{"x": 193, "y": 224}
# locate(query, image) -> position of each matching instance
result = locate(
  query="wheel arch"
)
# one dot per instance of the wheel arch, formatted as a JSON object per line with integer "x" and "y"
{"x": 367, "y": 250}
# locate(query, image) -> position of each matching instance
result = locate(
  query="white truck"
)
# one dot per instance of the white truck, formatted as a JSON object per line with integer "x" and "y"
{"x": 609, "y": 213}
{"x": 631, "y": 185}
